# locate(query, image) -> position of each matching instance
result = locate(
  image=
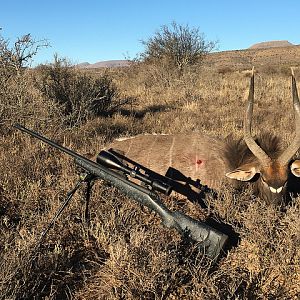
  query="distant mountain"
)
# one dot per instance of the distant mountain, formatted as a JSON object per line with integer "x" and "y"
{"x": 271, "y": 44}
{"x": 83, "y": 65}
{"x": 105, "y": 64}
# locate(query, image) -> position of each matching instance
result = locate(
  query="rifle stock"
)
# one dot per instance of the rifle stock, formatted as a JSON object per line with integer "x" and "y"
{"x": 211, "y": 241}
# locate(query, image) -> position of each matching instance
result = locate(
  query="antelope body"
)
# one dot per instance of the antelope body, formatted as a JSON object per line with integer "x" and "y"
{"x": 213, "y": 161}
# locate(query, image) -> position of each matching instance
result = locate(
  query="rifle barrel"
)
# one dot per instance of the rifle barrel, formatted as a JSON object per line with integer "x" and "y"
{"x": 49, "y": 142}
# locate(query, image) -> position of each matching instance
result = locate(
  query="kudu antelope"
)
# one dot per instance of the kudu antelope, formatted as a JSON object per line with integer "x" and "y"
{"x": 213, "y": 161}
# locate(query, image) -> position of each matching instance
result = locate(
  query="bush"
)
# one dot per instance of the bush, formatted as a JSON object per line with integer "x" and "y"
{"x": 19, "y": 101}
{"x": 225, "y": 70}
{"x": 80, "y": 95}
{"x": 17, "y": 57}
{"x": 177, "y": 46}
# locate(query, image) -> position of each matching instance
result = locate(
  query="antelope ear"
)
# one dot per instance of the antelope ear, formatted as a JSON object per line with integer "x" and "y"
{"x": 244, "y": 172}
{"x": 295, "y": 168}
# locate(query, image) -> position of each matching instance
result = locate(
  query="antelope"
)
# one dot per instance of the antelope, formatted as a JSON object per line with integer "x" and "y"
{"x": 197, "y": 158}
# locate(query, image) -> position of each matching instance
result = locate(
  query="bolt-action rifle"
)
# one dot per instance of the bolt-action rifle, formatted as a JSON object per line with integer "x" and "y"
{"x": 110, "y": 168}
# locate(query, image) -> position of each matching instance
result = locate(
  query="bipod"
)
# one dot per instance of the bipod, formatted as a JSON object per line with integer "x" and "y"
{"x": 84, "y": 178}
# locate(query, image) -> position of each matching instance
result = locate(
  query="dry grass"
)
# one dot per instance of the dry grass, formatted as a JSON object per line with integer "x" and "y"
{"x": 126, "y": 253}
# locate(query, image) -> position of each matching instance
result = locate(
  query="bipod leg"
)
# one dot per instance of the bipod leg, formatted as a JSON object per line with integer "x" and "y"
{"x": 59, "y": 211}
{"x": 89, "y": 179}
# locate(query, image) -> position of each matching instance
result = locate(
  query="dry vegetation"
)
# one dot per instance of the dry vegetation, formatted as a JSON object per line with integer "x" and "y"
{"x": 125, "y": 253}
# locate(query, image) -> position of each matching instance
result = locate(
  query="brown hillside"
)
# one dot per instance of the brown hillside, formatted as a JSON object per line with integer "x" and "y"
{"x": 259, "y": 57}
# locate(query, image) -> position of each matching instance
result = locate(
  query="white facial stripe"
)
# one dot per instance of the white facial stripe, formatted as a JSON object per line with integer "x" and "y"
{"x": 276, "y": 191}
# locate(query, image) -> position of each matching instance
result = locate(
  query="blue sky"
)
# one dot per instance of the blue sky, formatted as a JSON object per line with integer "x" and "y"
{"x": 103, "y": 30}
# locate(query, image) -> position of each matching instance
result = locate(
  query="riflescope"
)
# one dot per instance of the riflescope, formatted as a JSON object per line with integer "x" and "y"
{"x": 109, "y": 160}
